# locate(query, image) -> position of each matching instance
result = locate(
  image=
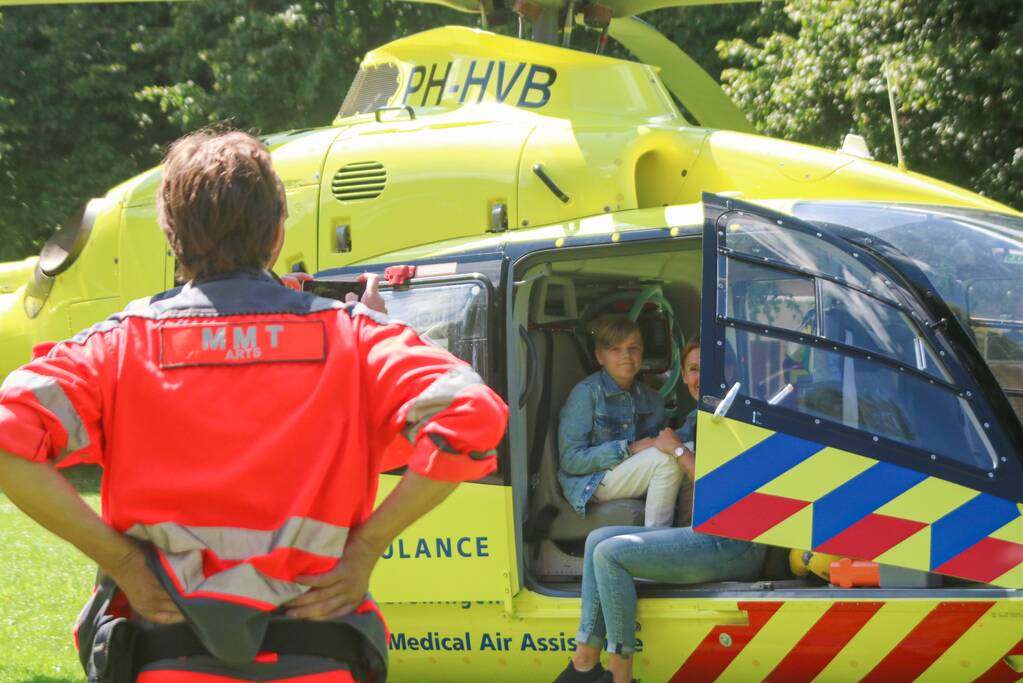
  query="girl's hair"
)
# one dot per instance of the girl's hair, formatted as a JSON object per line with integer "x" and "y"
{"x": 693, "y": 343}
{"x": 612, "y": 329}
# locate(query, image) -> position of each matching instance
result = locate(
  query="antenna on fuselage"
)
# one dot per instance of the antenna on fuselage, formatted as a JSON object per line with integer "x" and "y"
{"x": 895, "y": 116}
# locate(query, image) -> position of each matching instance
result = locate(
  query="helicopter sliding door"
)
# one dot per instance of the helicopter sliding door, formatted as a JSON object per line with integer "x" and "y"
{"x": 836, "y": 416}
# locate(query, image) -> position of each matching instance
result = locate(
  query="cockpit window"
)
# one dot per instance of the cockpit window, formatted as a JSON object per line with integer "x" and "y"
{"x": 452, "y": 316}
{"x": 372, "y": 88}
{"x": 973, "y": 258}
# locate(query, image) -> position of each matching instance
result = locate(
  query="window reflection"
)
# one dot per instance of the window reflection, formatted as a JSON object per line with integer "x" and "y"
{"x": 450, "y": 316}
{"x": 760, "y": 238}
{"x": 864, "y": 395}
{"x": 858, "y": 320}
{"x": 768, "y": 296}
{"x": 973, "y": 258}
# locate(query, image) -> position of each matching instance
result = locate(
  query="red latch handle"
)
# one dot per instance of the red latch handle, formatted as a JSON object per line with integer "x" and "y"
{"x": 399, "y": 275}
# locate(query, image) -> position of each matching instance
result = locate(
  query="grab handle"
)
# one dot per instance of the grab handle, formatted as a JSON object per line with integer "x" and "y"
{"x": 726, "y": 403}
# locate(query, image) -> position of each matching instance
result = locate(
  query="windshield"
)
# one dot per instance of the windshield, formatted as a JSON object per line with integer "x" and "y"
{"x": 973, "y": 258}
{"x": 452, "y": 316}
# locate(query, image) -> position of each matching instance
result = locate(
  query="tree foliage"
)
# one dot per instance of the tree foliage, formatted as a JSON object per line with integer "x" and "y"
{"x": 955, "y": 66}
{"x": 69, "y": 125}
{"x": 91, "y": 94}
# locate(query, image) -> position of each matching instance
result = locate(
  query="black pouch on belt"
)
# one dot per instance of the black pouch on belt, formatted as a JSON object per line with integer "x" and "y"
{"x": 111, "y": 654}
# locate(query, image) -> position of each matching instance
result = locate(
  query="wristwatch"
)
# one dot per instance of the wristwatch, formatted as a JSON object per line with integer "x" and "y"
{"x": 680, "y": 451}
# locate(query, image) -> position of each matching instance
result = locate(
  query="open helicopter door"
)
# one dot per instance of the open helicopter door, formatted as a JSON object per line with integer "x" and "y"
{"x": 836, "y": 413}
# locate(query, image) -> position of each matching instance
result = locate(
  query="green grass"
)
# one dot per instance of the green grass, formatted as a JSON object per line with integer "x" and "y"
{"x": 43, "y": 583}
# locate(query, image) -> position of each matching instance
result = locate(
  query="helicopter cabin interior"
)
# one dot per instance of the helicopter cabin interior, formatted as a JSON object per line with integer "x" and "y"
{"x": 558, "y": 292}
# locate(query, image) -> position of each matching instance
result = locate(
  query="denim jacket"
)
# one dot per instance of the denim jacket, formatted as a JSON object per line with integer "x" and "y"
{"x": 687, "y": 432}
{"x": 598, "y": 421}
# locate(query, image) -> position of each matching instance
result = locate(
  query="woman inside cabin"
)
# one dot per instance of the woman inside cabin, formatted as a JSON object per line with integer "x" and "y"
{"x": 611, "y": 440}
{"x": 614, "y": 556}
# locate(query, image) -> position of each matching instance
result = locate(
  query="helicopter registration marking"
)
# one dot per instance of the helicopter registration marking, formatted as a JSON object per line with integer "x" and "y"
{"x": 532, "y": 85}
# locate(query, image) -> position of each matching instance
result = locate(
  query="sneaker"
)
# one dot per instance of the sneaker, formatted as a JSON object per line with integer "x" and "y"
{"x": 570, "y": 675}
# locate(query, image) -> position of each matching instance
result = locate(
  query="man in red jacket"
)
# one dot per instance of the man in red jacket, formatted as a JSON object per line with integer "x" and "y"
{"x": 241, "y": 427}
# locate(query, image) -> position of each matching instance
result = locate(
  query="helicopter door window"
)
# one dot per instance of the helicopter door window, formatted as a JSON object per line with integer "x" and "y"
{"x": 995, "y": 309}
{"x": 866, "y": 323}
{"x": 452, "y": 316}
{"x": 764, "y": 241}
{"x": 768, "y": 296}
{"x": 777, "y": 298}
{"x": 873, "y": 397}
{"x": 813, "y": 328}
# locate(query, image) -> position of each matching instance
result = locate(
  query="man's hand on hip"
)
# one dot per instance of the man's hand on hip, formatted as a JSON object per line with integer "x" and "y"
{"x": 339, "y": 591}
{"x": 144, "y": 591}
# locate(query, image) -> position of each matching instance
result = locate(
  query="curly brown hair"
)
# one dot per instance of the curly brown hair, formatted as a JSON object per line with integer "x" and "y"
{"x": 220, "y": 203}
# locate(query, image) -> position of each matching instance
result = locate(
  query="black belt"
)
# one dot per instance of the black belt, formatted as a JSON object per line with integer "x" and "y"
{"x": 326, "y": 639}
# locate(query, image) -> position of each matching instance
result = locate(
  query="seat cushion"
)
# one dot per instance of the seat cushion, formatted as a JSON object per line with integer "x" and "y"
{"x": 569, "y": 526}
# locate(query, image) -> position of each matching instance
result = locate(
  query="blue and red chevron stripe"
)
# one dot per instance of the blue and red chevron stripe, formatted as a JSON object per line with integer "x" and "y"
{"x": 774, "y": 488}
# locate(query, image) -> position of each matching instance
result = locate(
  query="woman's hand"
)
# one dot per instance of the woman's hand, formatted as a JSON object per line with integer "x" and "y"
{"x": 642, "y": 444}
{"x": 667, "y": 441}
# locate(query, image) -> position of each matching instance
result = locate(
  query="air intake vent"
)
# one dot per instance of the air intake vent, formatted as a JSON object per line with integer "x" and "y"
{"x": 359, "y": 180}
{"x": 372, "y": 88}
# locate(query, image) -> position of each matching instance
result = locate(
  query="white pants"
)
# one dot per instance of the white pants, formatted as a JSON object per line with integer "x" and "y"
{"x": 649, "y": 472}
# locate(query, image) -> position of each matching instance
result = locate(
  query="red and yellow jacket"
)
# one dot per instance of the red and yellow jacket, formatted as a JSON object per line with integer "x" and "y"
{"x": 242, "y": 426}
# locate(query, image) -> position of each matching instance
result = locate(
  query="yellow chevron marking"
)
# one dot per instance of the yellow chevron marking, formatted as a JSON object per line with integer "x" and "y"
{"x": 786, "y": 628}
{"x": 928, "y": 501}
{"x": 875, "y": 640}
{"x": 818, "y": 475}
{"x": 721, "y": 442}
{"x": 794, "y": 532}
{"x": 1013, "y": 531}
{"x": 684, "y": 635}
{"x": 985, "y": 643}
{"x": 1012, "y": 578}
{"x": 914, "y": 552}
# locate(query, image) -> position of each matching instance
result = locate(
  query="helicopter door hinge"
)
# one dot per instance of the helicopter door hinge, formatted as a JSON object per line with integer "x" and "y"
{"x": 342, "y": 239}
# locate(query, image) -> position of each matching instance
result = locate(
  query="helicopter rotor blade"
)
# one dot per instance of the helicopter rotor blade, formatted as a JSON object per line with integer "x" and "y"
{"x": 631, "y": 8}
{"x": 619, "y": 8}
{"x": 471, "y": 6}
{"x": 687, "y": 81}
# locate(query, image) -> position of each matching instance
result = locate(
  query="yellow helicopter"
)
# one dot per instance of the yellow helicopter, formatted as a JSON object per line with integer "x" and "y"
{"x": 862, "y": 366}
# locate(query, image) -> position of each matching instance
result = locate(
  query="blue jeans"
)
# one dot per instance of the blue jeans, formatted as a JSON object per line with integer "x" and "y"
{"x": 616, "y": 554}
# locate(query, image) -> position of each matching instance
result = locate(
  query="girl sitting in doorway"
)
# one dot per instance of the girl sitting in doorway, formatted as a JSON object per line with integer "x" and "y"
{"x": 611, "y": 439}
